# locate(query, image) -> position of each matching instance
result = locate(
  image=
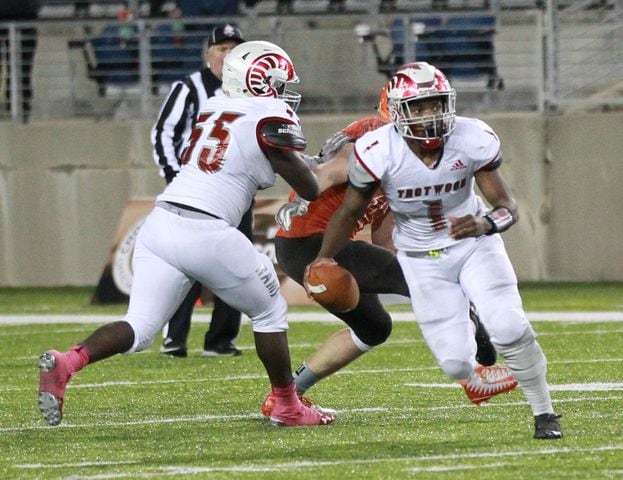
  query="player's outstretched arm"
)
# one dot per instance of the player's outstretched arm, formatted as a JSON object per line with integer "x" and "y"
{"x": 294, "y": 171}
{"x": 344, "y": 221}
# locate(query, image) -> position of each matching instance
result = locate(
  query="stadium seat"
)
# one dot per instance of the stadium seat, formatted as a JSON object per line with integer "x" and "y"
{"x": 460, "y": 45}
{"x": 115, "y": 56}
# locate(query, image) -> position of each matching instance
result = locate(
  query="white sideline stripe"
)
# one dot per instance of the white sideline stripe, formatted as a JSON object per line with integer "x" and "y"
{"x": 570, "y": 387}
{"x": 206, "y": 418}
{"x": 579, "y": 317}
{"x": 78, "y": 464}
{"x": 455, "y": 468}
{"x": 259, "y": 376}
{"x": 193, "y": 470}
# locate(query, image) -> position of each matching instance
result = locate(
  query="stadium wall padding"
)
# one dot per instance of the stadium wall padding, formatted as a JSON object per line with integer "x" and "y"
{"x": 64, "y": 185}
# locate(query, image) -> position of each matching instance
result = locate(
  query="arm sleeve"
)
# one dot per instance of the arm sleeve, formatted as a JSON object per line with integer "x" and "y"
{"x": 168, "y": 133}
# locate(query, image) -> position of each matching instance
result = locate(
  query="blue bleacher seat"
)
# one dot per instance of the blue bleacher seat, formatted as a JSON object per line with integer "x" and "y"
{"x": 461, "y": 45}
{"x": 116, "y": 56}
{"x": 177, "y": 52}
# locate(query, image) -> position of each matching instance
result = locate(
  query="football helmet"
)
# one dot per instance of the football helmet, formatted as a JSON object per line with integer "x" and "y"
{"x": 382, "y": 107}
{"x": 413, "y": 83}
{"x": 259, "y": 69}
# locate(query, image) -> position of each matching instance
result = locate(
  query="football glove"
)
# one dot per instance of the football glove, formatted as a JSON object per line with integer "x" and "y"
{"x": 295, "y": 208}
{"x": 334, "y": 144}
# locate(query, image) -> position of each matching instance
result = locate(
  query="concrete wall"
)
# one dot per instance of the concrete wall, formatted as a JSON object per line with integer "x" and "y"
{"x": 64, "y": 184}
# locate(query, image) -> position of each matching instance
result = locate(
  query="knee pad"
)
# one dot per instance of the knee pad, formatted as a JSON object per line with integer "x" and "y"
{"x": 274, "y": 319}
{"x": 524, "y": 357}
{"x": 457, "y": 369}
{"x": 371, "y": 333}
{"x": 364, "y": 347}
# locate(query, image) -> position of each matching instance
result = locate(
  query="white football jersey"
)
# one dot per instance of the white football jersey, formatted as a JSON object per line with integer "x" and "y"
{"x": 223, "y": 162}
{"x": 420, "y": 197}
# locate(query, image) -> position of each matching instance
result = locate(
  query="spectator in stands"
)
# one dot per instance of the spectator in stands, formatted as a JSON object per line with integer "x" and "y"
{"x": 209, "y": 8}
{"x": 169, "y": 134}
{"x": 20, "y": 11}
{"x": 156, "y": 8}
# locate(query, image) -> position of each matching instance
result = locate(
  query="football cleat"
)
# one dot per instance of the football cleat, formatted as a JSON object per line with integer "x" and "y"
{"x": 485, "y": 354}
{"x": 547, "y": 427}
{"x": 170, "y": 347}
{"x": 298, "y": 416}
{"x": 53, "y": 377}
{"x": 269, "y": 403}
{"x": 487, "y": 382}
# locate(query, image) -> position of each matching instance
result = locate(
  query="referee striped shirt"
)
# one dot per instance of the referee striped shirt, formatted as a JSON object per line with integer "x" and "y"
{"x": 178, "y": 116}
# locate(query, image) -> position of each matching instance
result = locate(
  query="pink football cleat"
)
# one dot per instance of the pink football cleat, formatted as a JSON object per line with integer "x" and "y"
{"x": 53, "y": 377}
{"x": 298, "y": 416}
{"x": 487, "y": 382}
{"x": 269, "y": 403}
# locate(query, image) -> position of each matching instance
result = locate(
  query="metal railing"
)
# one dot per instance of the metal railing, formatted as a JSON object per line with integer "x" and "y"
{"x": 535, "y": 59}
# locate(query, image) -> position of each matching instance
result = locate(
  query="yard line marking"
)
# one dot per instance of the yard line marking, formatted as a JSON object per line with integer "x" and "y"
{"x": 570, "y": 387}
{"x": 453, "y": 468}
{"x": 524, "y": 402}
{"x": 78, "y": 464}
{"x": 251, "y": 416}
{"x": 260, "y": 376}
{"x": 319, "y": 317}
{"x": 181, "y": 470}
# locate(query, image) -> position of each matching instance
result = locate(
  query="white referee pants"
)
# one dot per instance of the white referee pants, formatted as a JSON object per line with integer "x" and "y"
{"x": 476, "y": 269}
{"x": 172, "y": 252}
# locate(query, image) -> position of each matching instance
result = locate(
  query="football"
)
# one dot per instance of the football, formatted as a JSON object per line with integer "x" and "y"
{"x": 333, "y": 287}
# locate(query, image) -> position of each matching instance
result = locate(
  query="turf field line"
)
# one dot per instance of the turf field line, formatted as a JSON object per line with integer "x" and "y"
{"x": 261, "y": 376}
{"x": 569, "y": 387}
{"x": 455, "y": 468}
{"x": 572, "y": 317}
{"x": 256, "y": 416}
{"x": 77, "y": 464}
{"x": 181, "y": 470}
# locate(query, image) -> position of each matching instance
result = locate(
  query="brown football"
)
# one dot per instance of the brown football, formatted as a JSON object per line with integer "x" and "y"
{"x": 333, "y": 287}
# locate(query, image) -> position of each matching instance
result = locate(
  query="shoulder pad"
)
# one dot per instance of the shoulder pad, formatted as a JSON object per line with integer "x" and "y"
{"x": 278, "y": 133}
{"x": 360, "y": 127}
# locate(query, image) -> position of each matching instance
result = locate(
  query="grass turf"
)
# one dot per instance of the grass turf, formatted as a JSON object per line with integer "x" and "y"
{"x": 151, "y": 416}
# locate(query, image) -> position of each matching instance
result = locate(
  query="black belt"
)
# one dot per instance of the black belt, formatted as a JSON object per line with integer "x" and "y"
{"x": 186, "y": 210}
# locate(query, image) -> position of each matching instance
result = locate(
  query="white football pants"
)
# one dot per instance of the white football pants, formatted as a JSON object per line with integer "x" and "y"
{"x": 172, "y": 252}
{"x": 476, "y": 269}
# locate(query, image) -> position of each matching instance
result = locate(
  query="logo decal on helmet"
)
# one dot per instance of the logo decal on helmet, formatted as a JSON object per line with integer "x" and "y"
{"x": 258, "y": 76}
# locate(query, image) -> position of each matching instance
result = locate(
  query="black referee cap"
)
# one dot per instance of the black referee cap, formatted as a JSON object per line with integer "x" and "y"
{"x": 223, "y": 33}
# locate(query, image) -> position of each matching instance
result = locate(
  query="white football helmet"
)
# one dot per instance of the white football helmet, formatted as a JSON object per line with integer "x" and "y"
{"x": 260, "y": 69}
{"x": 412, "y": 83}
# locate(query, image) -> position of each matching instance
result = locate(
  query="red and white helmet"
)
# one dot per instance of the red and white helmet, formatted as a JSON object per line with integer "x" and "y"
{"x": 414, "y": 82}
{"x": 382, "y": 106}
{"x": 259, "y": 69}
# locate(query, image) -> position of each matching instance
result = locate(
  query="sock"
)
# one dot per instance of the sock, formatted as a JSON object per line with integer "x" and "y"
{"x": 537, "y": 394}
{"x": 304, "y": 379}
{"x": 286, "y": 395}
{"x": 78, "y": 358}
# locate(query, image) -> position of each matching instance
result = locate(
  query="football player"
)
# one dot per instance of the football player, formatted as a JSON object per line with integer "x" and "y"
{"x": 427, "y": 162}
{"x": 240, "y": 142}
{"x": 298, "y": 241}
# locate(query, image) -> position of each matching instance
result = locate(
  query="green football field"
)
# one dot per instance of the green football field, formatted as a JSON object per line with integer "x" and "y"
{"x": 151, "y": 416}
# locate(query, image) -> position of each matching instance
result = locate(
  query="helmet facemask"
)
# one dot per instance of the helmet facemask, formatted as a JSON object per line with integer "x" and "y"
{"x": 430, "y": 127}
{"x": 291, "y": 97}
{"x": 422, "y": 104}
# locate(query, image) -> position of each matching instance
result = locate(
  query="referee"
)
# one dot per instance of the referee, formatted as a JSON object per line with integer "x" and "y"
{"x": 168, "y": 136}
